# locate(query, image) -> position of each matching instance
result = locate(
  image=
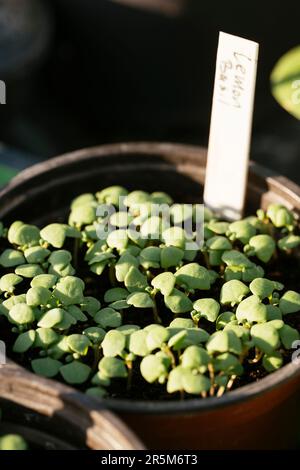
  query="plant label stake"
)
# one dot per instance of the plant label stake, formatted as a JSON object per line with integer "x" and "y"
{"x": 231, "y": 125}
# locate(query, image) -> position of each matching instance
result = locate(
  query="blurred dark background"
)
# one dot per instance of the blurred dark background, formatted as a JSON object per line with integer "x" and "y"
{"x": 85, "y": 72}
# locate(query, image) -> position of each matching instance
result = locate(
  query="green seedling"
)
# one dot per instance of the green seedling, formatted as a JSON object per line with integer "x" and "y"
{"x": 145, "y": 308}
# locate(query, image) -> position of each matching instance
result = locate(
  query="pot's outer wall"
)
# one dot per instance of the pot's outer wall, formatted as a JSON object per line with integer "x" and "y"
{"x": 269, "y": 421}
{"x": 261, "y": 415}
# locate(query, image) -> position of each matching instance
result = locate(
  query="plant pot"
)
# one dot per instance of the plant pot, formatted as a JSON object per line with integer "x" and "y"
{"x": 261, "y": 415}
{"x": 52, "y": 416}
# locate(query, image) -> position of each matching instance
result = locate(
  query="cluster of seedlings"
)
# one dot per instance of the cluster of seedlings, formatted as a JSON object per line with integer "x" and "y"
{"x": 133, "y": 313}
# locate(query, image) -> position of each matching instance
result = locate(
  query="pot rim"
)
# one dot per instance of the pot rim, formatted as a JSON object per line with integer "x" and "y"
{"x": 287, "y": 187}
{"x": 284, "y": 185}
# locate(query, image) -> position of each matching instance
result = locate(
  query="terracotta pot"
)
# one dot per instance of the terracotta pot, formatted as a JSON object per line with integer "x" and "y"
{"x": 262, "y": 415}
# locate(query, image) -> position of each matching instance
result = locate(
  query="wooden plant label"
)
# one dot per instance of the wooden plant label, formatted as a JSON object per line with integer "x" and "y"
{"x": 231, "y": 126}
